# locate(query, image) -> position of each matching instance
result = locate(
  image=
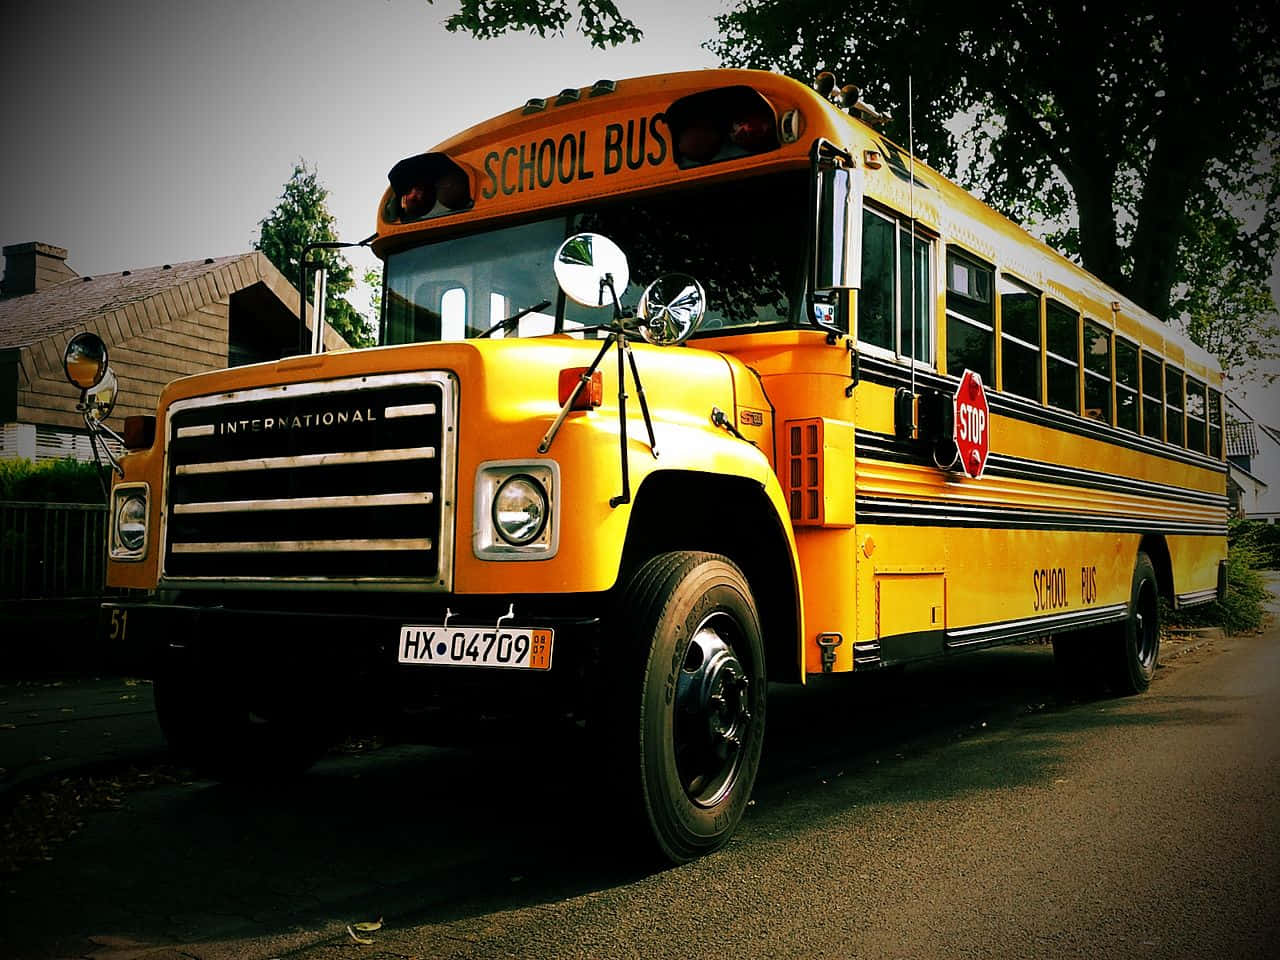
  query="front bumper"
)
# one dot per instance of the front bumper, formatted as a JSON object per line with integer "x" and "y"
{"x": 352, "y": 654}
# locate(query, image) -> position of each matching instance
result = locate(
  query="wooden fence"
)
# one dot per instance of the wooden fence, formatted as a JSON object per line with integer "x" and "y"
{"x": 52, "y": 550}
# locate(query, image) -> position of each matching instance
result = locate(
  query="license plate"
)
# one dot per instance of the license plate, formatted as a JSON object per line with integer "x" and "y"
{"x": 520, "y": 648}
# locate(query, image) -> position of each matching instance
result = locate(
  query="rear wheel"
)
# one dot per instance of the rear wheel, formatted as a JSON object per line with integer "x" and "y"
{"x": 686, "y": 700}
{"x": 1132, "y": 650}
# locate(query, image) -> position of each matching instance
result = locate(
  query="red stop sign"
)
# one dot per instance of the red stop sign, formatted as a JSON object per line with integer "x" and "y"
{"x": 973, "y": 424}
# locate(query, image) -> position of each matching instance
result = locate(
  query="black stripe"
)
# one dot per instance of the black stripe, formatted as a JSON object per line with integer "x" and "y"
{"x": 876, "y": 370}
{"x": 881, "y": 446}
{"x": 914, "y": 513}
{"x": 1034, "y": 626}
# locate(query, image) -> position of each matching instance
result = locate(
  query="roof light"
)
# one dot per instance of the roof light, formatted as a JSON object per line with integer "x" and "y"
{"x": 568, "y": 95}
{"x": 601, "y": 87}
{"x": 534, "y": 105}
{"x": 428, "y": 185}
{"x": 723, "y": 124}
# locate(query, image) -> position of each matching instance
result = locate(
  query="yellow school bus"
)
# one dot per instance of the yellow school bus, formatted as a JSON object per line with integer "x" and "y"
{"x": 686, "y": 383}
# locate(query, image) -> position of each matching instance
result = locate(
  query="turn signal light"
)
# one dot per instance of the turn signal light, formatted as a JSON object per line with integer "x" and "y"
{"x": 139, "y": 432}
{"x": 591, "y": 394}
{"x": 428, "y": 185}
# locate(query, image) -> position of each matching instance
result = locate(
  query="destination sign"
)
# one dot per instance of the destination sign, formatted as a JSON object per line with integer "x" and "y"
{"x": 542, "y": 163}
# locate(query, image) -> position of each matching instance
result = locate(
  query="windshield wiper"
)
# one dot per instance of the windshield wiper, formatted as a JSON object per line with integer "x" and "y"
{"x": 509, "y": 324}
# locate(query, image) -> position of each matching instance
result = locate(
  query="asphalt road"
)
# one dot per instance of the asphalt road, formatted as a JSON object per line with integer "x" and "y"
{"x": 960, "y": 811}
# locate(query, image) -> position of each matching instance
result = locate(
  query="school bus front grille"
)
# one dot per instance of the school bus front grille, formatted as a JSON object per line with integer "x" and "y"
{"x": 337, "y": 482}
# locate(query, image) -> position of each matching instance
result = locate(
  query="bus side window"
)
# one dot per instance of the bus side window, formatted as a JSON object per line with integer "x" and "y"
{"x": 1195, "y": 416}
{"x": 1152, "y": 397}
{"x": 1215, "y": 424}
{"x": 1097, "y": 372}
{"x": 1173, "y": 389}
{"x": 1126, "y": 384}
{"x": 1019, "y": 339}
{"x": 970, "y": 318}
{"x": 1062, "y": 366}
{"x": 453, "y": 314}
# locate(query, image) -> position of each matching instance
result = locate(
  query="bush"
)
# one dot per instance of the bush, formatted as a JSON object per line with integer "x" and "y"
{"x": 1241, "y": 610}
{"x": 50, "y": 481}
{"x": 1262, "y": 537}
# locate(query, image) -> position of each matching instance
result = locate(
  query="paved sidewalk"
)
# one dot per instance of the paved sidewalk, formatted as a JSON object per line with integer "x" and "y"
{"x": 71, "y": 725}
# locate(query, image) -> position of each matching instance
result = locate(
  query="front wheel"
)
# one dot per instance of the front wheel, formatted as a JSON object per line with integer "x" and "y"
{"x": 687, "y": 696}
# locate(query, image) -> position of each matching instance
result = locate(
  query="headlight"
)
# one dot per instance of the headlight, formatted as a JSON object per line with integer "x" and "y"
{"x": 517, "y": 510}
{"x": 520, "y": 510}
{"x": 129, "y": 522}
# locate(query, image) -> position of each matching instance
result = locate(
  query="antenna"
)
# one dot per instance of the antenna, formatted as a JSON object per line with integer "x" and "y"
{"x": 911, "y": 210}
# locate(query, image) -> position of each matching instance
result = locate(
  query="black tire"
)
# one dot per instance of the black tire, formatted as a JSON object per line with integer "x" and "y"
{"x": 685, "y": 701}
{"x": 215, "y": 728}
{"x": 1132, "y": 650}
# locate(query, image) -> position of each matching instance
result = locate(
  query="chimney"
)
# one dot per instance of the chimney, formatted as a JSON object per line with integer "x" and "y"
{"x": 29, "y": 267}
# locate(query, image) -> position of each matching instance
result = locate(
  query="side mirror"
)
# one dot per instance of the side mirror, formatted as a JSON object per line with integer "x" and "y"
{"x": 837, "y": 260}
{"x": 85, "y": 360}
{"x": 670, "y": 309}
{"x": 592, "y": 270}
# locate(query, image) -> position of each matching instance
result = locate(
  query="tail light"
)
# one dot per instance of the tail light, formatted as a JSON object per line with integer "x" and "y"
{"x": 428, "y": 185}
{"x": 721, "y": 124}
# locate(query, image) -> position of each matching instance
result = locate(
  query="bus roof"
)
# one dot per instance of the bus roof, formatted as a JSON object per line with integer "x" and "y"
{"x": 611, "y": 138}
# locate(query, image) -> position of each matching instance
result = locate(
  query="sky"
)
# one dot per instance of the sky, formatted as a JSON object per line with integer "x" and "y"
{"x": 144, "y": 132}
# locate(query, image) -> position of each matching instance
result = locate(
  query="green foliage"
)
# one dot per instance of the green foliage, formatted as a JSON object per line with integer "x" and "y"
{"x": 301, "y": 217}
{"x": 1135, "y": 124}
{"x": 598, "y": 20}
{"x": 373, "y": 280}
{"x": 50, "y": 481}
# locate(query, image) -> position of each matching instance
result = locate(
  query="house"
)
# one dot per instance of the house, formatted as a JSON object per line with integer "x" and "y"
{"x": 159, "y": 323}
{"x": 1253, "y": 458}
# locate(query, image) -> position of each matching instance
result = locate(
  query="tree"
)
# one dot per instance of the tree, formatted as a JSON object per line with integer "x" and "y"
{"x": 1143, "y": 122}
{"x": 1118, "y": 132}
{"x": 598, "y": 20}
{"x": 302, "y": 217}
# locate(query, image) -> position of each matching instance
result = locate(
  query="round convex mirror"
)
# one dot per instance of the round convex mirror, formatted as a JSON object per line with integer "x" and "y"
{"x": 100, "y": 399}
{"x": 586, "y": 265}
{"x": 670, "y": 308}
{"x": 85, "y": 360}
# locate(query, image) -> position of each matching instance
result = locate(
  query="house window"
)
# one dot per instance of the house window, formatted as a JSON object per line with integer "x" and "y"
{"x": 1062, "y": 365}
{"x": 1126, "y": 384}
{"x": 1173, "y": 405}
{"x": 895, "y": 302}
{"x": 1152, "y": 397}
{"x": 1019, "y": 339}
{"x": 1097, "y": 372}
{"x": 970, "y": 317}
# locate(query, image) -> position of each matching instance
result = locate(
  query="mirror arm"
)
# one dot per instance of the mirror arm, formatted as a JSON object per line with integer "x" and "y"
{"x": 96, "y": 429}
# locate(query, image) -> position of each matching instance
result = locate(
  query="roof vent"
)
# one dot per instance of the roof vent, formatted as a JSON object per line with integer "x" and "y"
{"x": 167, "y": 266}
{"x": 125, "y": 273}
{"x": 208, "y": 259}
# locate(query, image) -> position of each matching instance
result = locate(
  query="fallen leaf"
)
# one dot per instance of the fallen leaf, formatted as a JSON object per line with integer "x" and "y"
{"x": 368, "y": 926}
{"x": 362, "y": 940}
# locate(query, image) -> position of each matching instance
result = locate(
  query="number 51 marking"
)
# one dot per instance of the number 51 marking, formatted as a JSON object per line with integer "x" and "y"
{"x": 119, "y": 624}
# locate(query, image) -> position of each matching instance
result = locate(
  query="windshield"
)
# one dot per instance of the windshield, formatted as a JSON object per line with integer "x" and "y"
{"x": 744, "y": 241}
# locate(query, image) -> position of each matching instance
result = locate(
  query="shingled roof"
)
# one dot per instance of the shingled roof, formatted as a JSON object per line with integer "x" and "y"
{"x": 120, "y": 305}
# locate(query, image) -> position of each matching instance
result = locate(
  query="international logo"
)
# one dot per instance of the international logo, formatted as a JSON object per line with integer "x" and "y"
{"x": 316, "y": 420}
